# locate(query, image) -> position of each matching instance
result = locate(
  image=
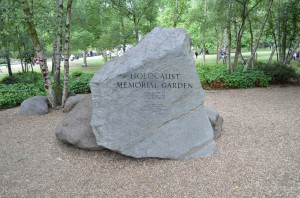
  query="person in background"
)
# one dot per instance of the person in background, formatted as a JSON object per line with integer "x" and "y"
{"x": 196, "y": 54}
{"x": 36, "y": 60}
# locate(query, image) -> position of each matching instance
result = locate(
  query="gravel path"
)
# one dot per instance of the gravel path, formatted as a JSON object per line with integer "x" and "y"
{"x": 258, "y": 156}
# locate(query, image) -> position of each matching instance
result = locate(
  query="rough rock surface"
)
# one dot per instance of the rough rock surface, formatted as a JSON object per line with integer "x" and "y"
{"x": 71, "y": 102}
{"x": 75, "y": 129}
{"x": 216, "y": 121}
{"x": 37, "y": 105}
{"x": 149, "y": 102}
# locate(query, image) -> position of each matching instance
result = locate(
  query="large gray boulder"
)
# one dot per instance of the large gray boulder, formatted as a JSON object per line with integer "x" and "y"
{"x": 37, "y": 105}
{"x": 75, "y": 129}
{"x": 149, "y": 102}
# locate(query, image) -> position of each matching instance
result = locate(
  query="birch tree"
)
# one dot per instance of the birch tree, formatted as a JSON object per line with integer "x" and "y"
{"x": 39, "y": 51}
{"x": 228, "y": 38}
{"x": 66, "y": 53}
{"x": 5, "y": 9}
{"x": 56, "y": 60}
{"x": 243, "y": 15}
{"x": 259, "y": 35}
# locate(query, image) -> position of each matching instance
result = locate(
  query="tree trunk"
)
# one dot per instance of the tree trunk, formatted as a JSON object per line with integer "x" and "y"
{"x": 228, "y": 35}
{"x": 259, "y": 35}
{"x": 67, "y": 53}
{"x": 123, "y": 34}
{"x": 203, "y": 34}
{"x": 272, "y": 54}
{"x": 7, "y": 57}
{"x": 58, "y": 51}
{"x": 239, "y": 33}
{"x": 284, "y": 29}
{"x": 221, "y": 43}
{"x": 278, "y": 29}
{"x": 136, "y": 29}
{"x": 5, "y": 46}
{"x": 237, "y": 44}
{"x": 22, "y": 65}
{"x": 104, "y": 54}
{"x": 217, "y": 46}
{"x": 274, "y": 47}
{"x": 84, "y": 58}
{"x": 135, "y": 21}
{"x": 251, "y": 42}
{"x": 39, "y": 51}
{"x": 203, "y": 47}
{"x": 175, "y": 17}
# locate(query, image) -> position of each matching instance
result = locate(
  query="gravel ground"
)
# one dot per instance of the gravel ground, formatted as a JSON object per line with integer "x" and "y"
{"x": 258, "y": 155}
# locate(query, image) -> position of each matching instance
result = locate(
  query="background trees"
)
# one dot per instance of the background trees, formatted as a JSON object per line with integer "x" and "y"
{"x": 114, "y": 24}
{"x": 220, "y": 27}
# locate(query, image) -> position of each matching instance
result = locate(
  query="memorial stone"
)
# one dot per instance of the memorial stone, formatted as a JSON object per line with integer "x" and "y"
{"x": 149, "y": 102}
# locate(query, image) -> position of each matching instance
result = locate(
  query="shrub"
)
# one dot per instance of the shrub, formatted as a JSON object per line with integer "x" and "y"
{"x": 21, "y": 86}
{"x": 280, "y": 73}
{"x": 14, "y": 94}
{"x": 24, "y": 78}
{"x": 216, "y": 76}
{"x": 76, "y": 74}
{"x": 80, "y": 82}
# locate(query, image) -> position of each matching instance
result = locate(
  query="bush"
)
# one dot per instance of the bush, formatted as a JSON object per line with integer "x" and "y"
{"x": 80, "y": 82}
{"x": 76, "y": 74}
{"x": 216, "y": 76}
{"x": 24, "y": 78}
{"x": 14, "y": 94}
{"x": 280, "y": 73}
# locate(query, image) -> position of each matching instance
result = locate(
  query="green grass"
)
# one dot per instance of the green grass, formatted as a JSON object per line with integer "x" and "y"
{"x": 262, "y": 56}
{"x": 94, "y": 64}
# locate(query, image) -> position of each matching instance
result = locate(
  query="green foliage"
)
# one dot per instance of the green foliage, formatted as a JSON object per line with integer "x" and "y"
{"x": 80, "y": 82}
{"x": 76, "y": 74}
{"x": 24, "y": 78}
{"x": 14, "y": 94}
{"x": 216, "y": 76}
{"x": 280, "y": 73}
{"x": 17, "y": 88}
{"x": 21, "y": 86}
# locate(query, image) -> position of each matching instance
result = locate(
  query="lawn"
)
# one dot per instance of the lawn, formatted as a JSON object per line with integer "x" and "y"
{"x": 95, "y": 63}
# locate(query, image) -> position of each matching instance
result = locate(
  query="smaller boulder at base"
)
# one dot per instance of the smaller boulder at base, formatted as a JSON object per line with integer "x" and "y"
{"x": 37, "y": 105}
{"x": 216, "y": 121}
{"x": 72, "y": 102}
{"x": 76, "y": 129}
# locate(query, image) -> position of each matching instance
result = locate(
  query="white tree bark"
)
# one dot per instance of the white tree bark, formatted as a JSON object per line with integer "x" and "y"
{"x": 259, "y": 36}
{"x": 67, "y": 53}
{"x": 58, "y": 52}
{"x": 39, "y": 51}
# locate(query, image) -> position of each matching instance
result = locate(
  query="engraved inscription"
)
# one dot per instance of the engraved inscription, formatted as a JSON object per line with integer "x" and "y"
{"x": 154, "y": 102}
{"x": 155, "y": 86}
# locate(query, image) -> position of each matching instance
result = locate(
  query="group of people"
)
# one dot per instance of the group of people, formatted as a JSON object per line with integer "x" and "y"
{"x": 296, "y": 55}
{"x": 222, "y": 55}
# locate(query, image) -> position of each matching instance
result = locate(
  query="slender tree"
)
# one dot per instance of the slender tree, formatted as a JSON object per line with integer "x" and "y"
{"x": 228, "y": 38}
{"x": 39, "y": 51}
{"x": 67, "y": 52}
{"x": 259, "y": 35}
{"x": 56, "y": 59}
{"x": 4, "y": 39}
{"x": 203, "y": 32}
{"x": 244, "y": 14}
